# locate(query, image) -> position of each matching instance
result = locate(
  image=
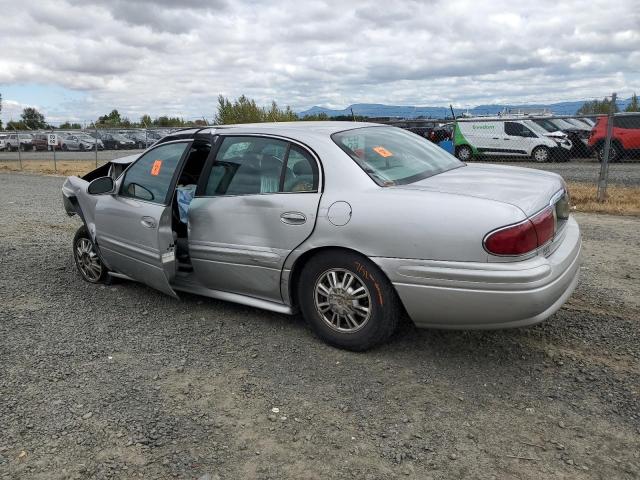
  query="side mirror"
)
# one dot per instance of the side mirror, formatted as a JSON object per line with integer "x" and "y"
{"x": 101, "y": 185}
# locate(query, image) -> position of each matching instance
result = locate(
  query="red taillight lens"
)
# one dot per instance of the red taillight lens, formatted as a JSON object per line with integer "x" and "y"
{"x": 545, "y": 225}
{"x": 523, "y": 237}
{"x": 514, "y": 240}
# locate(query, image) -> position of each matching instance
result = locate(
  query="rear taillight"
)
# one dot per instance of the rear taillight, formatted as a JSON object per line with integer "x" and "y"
{"x": 523, "y": 237}
{"x": 545, "y": 225}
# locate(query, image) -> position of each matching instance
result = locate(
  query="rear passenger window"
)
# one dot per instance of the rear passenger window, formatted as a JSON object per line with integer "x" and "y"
{"x": 261, "y": 165}
{"x": 301, "y": 174}
{"x": 627, "y": 121}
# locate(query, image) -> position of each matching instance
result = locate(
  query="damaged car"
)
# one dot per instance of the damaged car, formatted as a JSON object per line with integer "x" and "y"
{"x": 354, "y": 225}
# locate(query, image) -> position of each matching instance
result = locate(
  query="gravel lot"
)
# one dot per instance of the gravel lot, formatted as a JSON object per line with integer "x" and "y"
{"x": 120, "y": 381}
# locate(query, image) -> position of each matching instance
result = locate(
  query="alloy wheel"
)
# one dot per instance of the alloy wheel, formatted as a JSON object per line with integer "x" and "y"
{"x": 343, "y": 300}
{"x": 87, "y": 260}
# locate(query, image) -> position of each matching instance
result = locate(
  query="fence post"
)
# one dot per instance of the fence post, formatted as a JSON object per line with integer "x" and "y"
{"x": 604, "y": 166}
{"x": 53, "y": 147}
{"x": 96, "y": 144}
{"x": 18, "y": 140}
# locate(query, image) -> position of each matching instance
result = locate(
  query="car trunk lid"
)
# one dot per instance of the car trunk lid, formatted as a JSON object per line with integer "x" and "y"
{"x": 528, "y": 189}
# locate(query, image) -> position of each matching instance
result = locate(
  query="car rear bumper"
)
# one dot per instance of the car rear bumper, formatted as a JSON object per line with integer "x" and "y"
{"x": 468, "y": 295}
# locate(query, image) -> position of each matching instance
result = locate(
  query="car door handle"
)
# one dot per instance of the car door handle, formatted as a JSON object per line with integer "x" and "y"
{"x": 495, "y": 138}
{"x": 293, "y": 218}
{"x": 148, "y": 222}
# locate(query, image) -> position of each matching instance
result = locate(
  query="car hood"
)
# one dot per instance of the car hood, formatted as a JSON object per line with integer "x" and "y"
{"x": 528, "y": 189}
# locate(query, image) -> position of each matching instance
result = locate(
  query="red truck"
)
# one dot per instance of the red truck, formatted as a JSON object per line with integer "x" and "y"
{"x": 625, "y": 139}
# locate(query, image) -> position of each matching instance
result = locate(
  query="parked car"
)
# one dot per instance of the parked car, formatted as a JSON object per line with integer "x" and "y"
{"x": 81, "y": 142}
{"x": 141, "y": 139}
{"x": 513, "y": 138}
{"x": 23, "y": 141}
{"x": 352, "y": 223}
{"x": 3, "y": 144}
{"x": 625, "y": 138}
{"x": 40, "y": 141}
{"x": 116, "y": 141}
{"x": 578, "y": 135}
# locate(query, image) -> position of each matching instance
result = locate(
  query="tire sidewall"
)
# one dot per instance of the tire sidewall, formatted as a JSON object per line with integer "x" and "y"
{"x": 464, "y": 148}
{"x": 383, "y": 302}
{"x": 541, "y": 149}
{"x": 82, "y": 232}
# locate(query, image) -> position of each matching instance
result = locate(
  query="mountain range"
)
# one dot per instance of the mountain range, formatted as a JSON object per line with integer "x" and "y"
{"x": 408, "y": 111}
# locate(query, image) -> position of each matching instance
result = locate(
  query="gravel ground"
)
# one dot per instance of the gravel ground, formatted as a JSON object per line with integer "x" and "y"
{"x": 120, "y": 381}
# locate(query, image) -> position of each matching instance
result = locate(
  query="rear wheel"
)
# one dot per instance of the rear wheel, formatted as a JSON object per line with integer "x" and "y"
{"x": 86, "y": 257}
{"x": 464, "y": 153}
{"x": 541, "y": 154}
{"x": 614, "y": 152}
{"x": 348, "y": 301}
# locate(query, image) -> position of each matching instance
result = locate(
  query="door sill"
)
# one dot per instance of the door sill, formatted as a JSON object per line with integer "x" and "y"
{"x": 186, "y": 283}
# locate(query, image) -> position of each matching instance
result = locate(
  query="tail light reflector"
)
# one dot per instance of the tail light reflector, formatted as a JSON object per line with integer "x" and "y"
{"x": 523, "y": 237}
{"x": 545, "y": 225}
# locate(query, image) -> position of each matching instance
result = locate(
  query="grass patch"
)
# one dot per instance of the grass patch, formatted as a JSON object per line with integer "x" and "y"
{"x": 621, "y": 200}
{"x": 63, "y": 167}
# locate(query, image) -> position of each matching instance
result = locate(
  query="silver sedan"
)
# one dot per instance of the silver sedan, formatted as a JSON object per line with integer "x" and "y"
{"x": 353, "y": 224}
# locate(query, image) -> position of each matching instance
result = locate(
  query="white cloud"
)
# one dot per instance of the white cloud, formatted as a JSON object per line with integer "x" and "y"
{"x": 162, "y": 56}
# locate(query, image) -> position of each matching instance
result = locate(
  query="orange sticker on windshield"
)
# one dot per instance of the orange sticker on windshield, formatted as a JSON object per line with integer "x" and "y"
{"x": 383, "y": 152}
{"x": 155, "y": 168}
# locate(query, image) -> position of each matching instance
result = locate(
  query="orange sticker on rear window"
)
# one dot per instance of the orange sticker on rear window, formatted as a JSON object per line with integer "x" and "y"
{"x": 383, "y": 152}
{"x": 155, "y": 168}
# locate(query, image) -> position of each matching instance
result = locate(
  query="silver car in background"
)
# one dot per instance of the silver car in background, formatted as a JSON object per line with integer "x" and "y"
{"x": 353, "y": 224}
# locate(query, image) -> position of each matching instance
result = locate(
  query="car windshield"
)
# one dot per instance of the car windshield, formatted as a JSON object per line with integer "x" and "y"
{"x": 392, "y": 156}
{"x": 562, "y": 125}
{"x": 25, "y": 136}
{"x": 119, "y": 137}
{"x": 548, "y": 125}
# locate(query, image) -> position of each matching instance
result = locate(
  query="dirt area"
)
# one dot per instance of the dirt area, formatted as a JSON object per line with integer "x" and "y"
{"x": 120, "y": 381}
{"x": 619, "y": 200}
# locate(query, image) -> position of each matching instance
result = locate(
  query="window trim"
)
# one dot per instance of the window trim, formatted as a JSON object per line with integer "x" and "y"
{"x": 174, "y": 179}
{"x": 206, "y": 171}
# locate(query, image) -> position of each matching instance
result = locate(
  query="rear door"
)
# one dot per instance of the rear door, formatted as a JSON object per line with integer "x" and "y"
{"x": 133, "y": 226}
{"x": 257, "y": 201}
{"x": 627, "y": 129}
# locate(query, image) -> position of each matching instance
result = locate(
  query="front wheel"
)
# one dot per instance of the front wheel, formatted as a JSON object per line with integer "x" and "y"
{"x": 464, "y": 153}
{"x": 347, "y": 300}
{"x": 541, "y": 154}
{"x": 86, "y": 257}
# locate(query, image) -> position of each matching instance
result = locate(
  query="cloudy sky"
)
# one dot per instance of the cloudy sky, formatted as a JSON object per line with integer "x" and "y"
{"x": 77, "y": 59}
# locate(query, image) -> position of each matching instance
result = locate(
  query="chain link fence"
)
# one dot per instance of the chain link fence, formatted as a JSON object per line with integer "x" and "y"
{"x": 20, "y": 148}
{"x": 571, "y": 145}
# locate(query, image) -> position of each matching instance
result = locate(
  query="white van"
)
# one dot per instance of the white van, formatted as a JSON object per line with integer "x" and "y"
{"x": 507, "y": 137}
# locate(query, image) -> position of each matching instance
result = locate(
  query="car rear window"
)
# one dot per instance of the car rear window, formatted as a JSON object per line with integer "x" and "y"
{"x": 392, "y": 156}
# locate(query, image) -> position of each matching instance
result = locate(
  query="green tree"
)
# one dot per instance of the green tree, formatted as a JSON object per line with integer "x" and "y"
{"x": 33, "y": 119}
{"x": 596, "y": 107}
{"x": 245, "y": 110}
{"x": 13, "y": 125}
{"x": 70, "y": 126}
{"x": 633, "y": 104}
{"x": 145, "y": 120}
{"x": 113, "y": 119}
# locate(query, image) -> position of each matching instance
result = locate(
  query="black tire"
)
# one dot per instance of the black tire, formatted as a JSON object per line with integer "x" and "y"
{"x": 464, "y": 153}
{"x": 541, "y": 154}
{"x": 381, "y": 301}
{"x": 87, "y": 260}
{"x": 615, "y": 153}
{"x": 65, "y": 147}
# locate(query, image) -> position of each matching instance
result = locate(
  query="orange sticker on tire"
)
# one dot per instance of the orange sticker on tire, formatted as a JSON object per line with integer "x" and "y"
{"x": 155, "y": 168}
{"x": 383, "y": 152}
